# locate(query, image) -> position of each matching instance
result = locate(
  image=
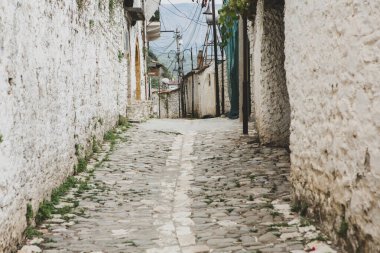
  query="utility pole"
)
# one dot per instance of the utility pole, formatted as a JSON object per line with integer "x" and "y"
{"x": 183, "y": 87}
{"x": 223, "y": 103}
{"x": 159, "y": 99}
{"x": 246, "y": 73}
{"x": 192, "y": 85}
{"x": 177, "y": 37}
{"x": 217, "y": 102}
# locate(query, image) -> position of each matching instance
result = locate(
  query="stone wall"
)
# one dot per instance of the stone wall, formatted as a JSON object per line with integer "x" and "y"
{"x": 140, "y": 112}
{"x": 270, "y": 97}
{"x": 62, "y": 82}
{"x": 332, "y": 64}
{"x": 227, "y": 104}
{"x": 136, "y": 52}
{"x": 169, "y": 104}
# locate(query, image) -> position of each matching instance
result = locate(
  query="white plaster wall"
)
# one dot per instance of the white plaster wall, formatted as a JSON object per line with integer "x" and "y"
{"x": 206, "y": 91}
{"x": 333, "y": 67}
{"x": 151, "y": 6}
{"x": 271, "y": 103}
{"x": 61, "y": 83}
{"x": 188, "y": 93}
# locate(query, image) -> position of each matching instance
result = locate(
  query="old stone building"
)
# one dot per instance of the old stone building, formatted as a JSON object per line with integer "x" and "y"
{"x": 315, "y": 69}
{"x": 68, "y": 70}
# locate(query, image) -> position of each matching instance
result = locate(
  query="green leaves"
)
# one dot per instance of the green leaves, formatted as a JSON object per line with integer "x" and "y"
{"x": 230, "y": 13}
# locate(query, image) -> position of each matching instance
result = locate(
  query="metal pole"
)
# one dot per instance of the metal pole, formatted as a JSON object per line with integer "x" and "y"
{"x": 159, "y": 99}
{"x": 150, "y": 83}
{"x": 245, "y": 79}
{"x": 183, "y": 93}
{"x": 192, "y": 85}
{"x": 217, "y": 100}
{"x": 180, "y": 91}
{"x": 223, "y": 105}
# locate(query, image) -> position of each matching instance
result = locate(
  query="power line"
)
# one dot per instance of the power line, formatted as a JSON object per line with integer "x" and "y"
{"x": 192, "y": 19}
{"x": 195, "y": 28}
{"x": 179, "y": 15}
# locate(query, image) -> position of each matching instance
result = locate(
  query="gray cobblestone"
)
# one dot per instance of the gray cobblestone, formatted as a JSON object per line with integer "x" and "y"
{"x": 183, "y": 186}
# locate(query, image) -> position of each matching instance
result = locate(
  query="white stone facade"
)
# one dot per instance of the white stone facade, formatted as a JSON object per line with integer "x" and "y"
{"x": 332, "y": 66}
{"x": 270, "y": 103}
{"x": 332, "y": 53}
{"x": 168, "y": 106}
{"x": 63, "y": 82}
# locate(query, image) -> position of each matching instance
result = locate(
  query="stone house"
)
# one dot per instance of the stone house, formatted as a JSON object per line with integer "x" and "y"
{"x": 314, "y": 86}
{"x": 68, "y": 70}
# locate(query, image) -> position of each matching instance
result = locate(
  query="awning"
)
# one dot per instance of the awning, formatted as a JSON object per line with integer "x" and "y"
{"x": 153, "y": 31}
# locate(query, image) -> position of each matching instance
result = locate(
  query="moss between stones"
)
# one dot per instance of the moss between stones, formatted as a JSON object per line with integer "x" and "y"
{"x": 47, "y": 207}
{"x": 81, "y": 4}
{"x": 31, "y": 232}
{"x": 300, "y": 207}
{"x": 29, "y": 214}
{"x": 342, "y": 232}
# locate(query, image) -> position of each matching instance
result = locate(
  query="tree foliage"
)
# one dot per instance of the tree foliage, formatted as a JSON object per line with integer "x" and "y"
{"x": 165, "y": 71}
{"x": 229, "y": 14}
{"x": 155, "y": 17}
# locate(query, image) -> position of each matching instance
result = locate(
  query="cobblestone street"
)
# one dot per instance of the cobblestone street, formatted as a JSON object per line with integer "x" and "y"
{"x": 182, "y": 186}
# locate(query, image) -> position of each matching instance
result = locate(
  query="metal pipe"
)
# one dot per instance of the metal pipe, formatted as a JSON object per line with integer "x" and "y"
{"x": 180, "y": 88}
{"x": 223, "y": 103}
{"x": 246, "y": 73}
{"x": 159, "y": 99}
{"x": 192, "y": 85}
{"x": 217, "y": 100}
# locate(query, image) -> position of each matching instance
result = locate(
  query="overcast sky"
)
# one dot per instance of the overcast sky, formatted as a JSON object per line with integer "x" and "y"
{"x": 185, "y": 1}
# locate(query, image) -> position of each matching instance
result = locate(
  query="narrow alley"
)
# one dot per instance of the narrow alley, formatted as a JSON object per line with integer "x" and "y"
{"x": 181, "y": 186}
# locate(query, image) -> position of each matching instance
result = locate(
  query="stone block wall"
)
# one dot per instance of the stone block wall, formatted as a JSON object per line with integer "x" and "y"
{"x": 223, "y": 72}
{"x": 169, "y": 104}
{"x": 270, "y": 97}
{"x": 332, "y": 65}
{"x": 62, "y": 83}
{"x": 140, "y": 111}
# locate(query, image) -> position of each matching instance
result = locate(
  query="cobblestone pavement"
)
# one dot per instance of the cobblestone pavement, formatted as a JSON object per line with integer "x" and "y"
{"x": 183, "y": 186}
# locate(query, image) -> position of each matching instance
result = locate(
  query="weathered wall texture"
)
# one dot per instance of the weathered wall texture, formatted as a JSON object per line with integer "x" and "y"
{"x": 169, "y": 104}
{"x": 333, "y": 65}
{"x": 227, "y": 103}
{"x": 204, "y": 91}
{"x": 140, "y": 112}
{"x": 271, "y": 103}
{"x": 61, "y": 84}
{"x": 137, "y": 64}
{"x": 251, "y": 36}
{"x": 189, "y": 90}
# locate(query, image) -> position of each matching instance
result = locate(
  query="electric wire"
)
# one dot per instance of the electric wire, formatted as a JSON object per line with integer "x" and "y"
{"x": 181, "y": 16}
